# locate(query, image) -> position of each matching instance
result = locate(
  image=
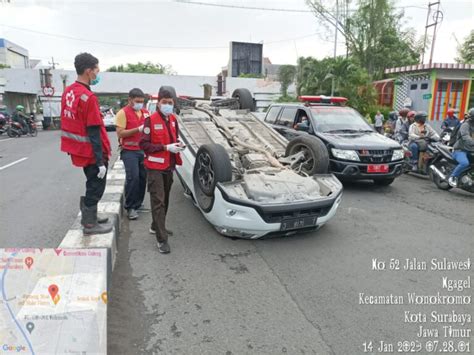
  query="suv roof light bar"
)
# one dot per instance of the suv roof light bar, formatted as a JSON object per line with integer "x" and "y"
{"x": 308, "y": 99}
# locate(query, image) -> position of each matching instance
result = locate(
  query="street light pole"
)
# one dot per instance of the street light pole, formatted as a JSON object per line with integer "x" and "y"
{"x": 333, "y": 84}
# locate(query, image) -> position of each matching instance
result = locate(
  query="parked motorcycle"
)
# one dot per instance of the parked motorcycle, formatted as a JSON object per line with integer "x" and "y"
{"x": 425, "y": 158}
{"x": 15, "y": 129}
{"x": 444, "y": 164}
{"x": 3, "y": 124}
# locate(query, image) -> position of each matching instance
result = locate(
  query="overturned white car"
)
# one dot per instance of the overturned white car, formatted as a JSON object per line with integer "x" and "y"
{"x": 246, "y": 179}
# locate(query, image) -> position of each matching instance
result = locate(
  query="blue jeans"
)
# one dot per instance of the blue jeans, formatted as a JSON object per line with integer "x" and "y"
{"x": 414, "y": 151}
{"x": 135, "y": 183}
{"x": 463, "y": 162}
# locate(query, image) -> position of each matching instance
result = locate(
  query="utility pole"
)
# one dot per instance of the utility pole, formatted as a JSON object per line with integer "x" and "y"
{"x": 53, "y": 63}
{"x": 437, "y": 18}
{"x": 333, "y": 84}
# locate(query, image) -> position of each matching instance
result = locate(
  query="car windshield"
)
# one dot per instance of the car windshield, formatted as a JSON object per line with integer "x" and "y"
{"x": 340, "y": 119}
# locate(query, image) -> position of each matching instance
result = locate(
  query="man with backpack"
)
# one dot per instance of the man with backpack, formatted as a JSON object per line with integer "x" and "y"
{"x": 464, "y": 144}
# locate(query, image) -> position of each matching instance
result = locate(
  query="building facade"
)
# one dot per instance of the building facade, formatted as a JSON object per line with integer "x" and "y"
{"x": 13, "y": 56}
{"x": 432, "y": 88}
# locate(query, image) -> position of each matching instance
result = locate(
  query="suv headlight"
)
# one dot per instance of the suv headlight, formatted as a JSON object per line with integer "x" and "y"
{"x": 345, "y": 154}
{"x": 397, "y": 154}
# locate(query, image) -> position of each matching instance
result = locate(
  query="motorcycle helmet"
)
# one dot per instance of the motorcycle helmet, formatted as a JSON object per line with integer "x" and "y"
{"x": 411, "y": 114}
{"x": 450, "y": 112}
{"x": 420, "y": 117}
{"x": 403, "y": 112}
{"x": 20, "y": 108}
{"x": 392, "y": 116}
{"x": 470, "y": 113}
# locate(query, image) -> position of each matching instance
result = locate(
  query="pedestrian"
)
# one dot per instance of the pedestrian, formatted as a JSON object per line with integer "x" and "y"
{"x": 85, "y": 139}
{"x": 378, "y": 122}
{"x": 162, "y": 147}
{"x": 129, "y": 125}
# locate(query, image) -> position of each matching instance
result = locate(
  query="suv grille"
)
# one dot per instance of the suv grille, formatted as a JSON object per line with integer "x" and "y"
{"x": 375, "y": 156}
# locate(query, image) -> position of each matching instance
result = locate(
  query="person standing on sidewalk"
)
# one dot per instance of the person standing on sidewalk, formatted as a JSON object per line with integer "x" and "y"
{"x": 129, "y": 124}
{"x": 378, "y": 122}
{"x": 161, "y": 146}
{"x": 85, "y": 139}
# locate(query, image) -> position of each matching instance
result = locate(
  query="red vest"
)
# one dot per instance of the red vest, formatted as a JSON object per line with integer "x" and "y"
{"x": 160, "y": 134}
{"x": 133, "y": 121}
{"x": 74, "y": 113}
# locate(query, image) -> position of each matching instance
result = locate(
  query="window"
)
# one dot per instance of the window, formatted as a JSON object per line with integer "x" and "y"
{"x": 287, "y": 117}
{"x": 424, "y": 86}
{"x": 413, "y": 86}
{"x": 272, "y": 114}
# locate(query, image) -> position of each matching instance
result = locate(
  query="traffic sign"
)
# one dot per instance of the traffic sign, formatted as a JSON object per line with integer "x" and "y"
{"x": 48, "y": 90}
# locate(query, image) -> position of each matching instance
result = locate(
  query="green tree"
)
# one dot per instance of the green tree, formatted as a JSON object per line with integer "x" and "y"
{"x": 374, "y": 34}
{"x": 466, "y": 50}
{"x": 286, "y": 75}
{"x": 4, "y": 66}
{"x": 148, "y": 67}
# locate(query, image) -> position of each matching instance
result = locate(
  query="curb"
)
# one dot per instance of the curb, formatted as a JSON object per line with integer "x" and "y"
{"x": 111, "y": 206}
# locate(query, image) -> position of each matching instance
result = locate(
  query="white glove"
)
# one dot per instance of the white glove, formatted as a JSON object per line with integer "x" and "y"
{"x": 102, "y": 172}
{"x": 140, "y": 129}
{"x": 173, "y": 148}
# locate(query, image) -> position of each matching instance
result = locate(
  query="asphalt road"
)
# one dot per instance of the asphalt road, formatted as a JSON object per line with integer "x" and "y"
{"x": 295, "y": 295}
{"x": 39, "y": 196}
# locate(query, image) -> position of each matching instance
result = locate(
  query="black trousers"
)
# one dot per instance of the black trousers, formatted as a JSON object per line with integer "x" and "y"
{"x": 95, "y": 187}
{"x": 159, "y": 186}
{"x": 135, "y": 184}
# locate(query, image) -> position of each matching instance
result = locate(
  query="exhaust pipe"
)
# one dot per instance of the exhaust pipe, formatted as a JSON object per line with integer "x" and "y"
{"x": 437, "y": 171}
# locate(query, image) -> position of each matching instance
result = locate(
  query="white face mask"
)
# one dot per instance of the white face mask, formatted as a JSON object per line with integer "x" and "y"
{"x": 137, "y": 106}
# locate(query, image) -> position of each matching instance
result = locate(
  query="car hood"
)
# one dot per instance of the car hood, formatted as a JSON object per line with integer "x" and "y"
{"x": 356, "y": 141}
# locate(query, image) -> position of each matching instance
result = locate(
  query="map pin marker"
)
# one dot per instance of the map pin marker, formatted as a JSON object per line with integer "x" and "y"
{"x": 53, "y": 291}
{"x": 29, "y": 261}
{"x": 30, "y": 326}
{"x": 104, "y": 297}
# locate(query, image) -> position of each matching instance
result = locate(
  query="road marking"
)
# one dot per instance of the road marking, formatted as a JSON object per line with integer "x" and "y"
{"x": 11, "y": 164}
{"x": 4, "y": 140}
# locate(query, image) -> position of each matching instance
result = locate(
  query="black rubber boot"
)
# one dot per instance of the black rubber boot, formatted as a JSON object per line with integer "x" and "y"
{"x": 99, "y": 219}
{"x": 90, "y": 224}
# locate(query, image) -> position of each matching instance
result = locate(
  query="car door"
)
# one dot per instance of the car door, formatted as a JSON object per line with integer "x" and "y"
{"x": 272, "y": 115}
{"x": 285, "y": 122}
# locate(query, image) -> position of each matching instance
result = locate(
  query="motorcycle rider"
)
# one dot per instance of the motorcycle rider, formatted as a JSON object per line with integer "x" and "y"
{"x": 403, "y": 134}
{"x": 418, "y": 132}
{"x": 402, "y": 119}
{"x": 20, "y": 117}
{"x": 464, "y": 145}
{"x": 451, "y": 121}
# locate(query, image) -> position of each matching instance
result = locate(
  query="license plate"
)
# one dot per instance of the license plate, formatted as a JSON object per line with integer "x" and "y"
{"x": 298, "y": 223}
{"x": 377, "y": 168}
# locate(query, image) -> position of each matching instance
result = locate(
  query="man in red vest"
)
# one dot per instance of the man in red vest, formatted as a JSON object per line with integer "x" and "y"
{"x": 161, "y": 146}
{"x": 85, "y": 139}
{"x": 129, "y": 124}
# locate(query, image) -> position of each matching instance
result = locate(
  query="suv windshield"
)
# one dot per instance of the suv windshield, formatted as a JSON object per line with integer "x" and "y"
{"x": 340, "y": 119}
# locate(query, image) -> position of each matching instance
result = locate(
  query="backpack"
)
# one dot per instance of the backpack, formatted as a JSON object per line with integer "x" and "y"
{"x": 454, "y": 135}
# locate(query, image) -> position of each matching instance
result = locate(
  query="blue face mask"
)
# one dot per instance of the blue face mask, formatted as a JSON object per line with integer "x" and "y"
{"x": 96, "y": 80}
{"x": 137, "y": 106}
{"x": 166, "y": 109}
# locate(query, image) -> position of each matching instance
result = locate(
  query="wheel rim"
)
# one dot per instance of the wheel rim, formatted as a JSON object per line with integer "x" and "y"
{"x": 438, "y": 181}
{"x": 308, "y": 163}
{"x": 205, "y": 172}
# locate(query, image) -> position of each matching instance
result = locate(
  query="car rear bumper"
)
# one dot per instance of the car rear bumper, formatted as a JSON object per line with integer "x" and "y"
{"x": 358, "y": 171}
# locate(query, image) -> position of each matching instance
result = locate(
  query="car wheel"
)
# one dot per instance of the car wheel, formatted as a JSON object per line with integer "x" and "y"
{"x": 212, "y": 166}
{"x": 173, "y": 94}
{"x": 245, "y": 99}
{"x": 315, "y": 152}
{"x": 383, "y": 182}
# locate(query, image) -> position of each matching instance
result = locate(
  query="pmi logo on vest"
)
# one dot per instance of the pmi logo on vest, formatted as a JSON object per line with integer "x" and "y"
{"x": 14, "y": 348}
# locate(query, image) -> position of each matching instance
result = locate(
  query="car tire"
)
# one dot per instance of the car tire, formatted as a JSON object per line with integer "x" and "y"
{"x": 173, "y": 94}
{"x": 316, "y": 154}
{"x": 211, "y": 167}
{"x": 245, "y": 99}
{"x": 384, "y": 182}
